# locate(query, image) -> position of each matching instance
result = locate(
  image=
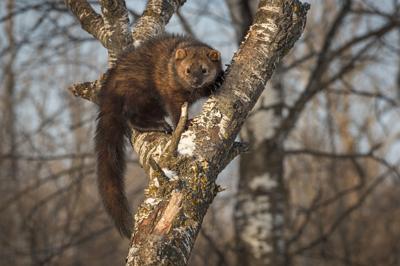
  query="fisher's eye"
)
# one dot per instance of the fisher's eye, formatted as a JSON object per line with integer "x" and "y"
{"x": 204, "y": 70}
{"x": 187, "y": 70}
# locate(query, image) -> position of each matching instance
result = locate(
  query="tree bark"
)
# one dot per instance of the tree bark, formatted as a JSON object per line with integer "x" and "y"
{"x": 262, "y": 198}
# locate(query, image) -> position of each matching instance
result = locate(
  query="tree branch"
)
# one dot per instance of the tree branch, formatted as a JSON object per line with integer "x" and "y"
{"x": 154, "y": 18}
{"x": 90, "y": 21}
{"x": 313, "y": 85}
{"x": 176, "y": 135}
{"x": 116, "y": 28}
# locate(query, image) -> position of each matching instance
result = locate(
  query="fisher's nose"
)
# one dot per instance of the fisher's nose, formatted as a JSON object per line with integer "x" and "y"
{"x": 197, "y": 81}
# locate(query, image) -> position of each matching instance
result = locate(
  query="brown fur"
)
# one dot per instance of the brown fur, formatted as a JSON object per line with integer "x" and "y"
{"x": 146, "y": 85}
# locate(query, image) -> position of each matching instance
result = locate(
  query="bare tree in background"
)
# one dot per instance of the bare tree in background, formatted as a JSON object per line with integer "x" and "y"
{"x": 8, "y": 132}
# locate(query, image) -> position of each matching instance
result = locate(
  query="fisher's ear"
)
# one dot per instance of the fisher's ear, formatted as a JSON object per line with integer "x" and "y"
{"x": 180, "y": 54}
{"x": 214, "y": 55}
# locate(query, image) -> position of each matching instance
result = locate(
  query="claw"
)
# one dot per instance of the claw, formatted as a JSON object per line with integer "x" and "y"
{"x": 167, "y": 128}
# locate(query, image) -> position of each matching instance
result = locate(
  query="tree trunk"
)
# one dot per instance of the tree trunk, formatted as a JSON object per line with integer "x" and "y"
{"x": 262, "y": 198}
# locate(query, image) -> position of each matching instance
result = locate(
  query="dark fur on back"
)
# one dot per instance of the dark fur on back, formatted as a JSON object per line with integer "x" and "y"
{"x": 146, "y": 85}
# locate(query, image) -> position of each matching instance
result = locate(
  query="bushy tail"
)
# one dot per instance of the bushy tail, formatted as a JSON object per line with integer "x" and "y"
{"x": 110, "y": 151}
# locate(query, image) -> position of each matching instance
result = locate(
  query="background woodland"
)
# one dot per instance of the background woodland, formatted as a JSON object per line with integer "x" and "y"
{"x": 325, "y": 131}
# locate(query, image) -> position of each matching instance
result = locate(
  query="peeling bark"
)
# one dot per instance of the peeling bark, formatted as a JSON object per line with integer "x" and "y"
{"x": 116, "y": 28}
{"x": 182, "y": 184}
{"x": 90, "y": 21}
{"x": 260, "y": 210}
{"x": 154, "y": 19}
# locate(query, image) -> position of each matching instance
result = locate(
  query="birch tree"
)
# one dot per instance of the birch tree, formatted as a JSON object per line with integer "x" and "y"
{"x": 182, "y": 167}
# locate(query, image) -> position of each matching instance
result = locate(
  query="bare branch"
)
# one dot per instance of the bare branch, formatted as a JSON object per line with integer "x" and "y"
{"x": 316, "y": 83}
{"x": 314, "y": 80}
{"x": 344, "y": 156}
{"x": 236, "y": 149}
{"x": 154, "y": 18}
{"x": 241, "y": 15}
{"x": 185, "y": 24}
{"x": 116, "y": 27}
{"x": 88, "y": 18}
{"x": 176, "y": 135}
{"x": 377, "y": 95}
{"x": 335, "y": 224}
{"x": 87, "y": 90}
